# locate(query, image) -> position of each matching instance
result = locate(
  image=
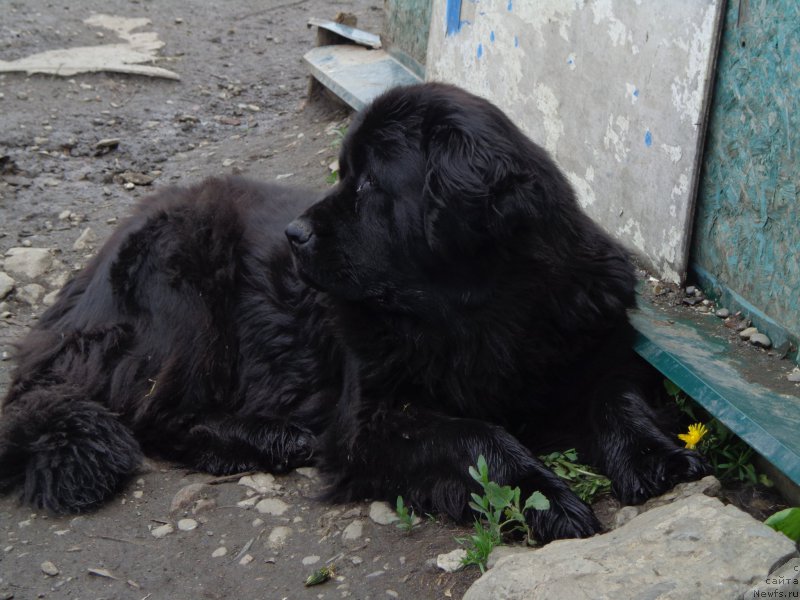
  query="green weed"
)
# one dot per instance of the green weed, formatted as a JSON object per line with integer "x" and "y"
{"x": 729, "y": 456}
{"x": 406, "y": 516}
{"x": 582, "y": 479}
{"x": 500, "y": 512}
{"x": 787, "y": 521}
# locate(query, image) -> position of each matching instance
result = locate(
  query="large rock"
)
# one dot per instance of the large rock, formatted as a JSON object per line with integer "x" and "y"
{"x": 694, "y": 548}
{"x": 29, "y": 263}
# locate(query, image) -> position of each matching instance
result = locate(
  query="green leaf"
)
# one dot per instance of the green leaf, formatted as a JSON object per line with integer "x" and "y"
{"x": 786, "y": 521}
{"x": 537, "y": 501}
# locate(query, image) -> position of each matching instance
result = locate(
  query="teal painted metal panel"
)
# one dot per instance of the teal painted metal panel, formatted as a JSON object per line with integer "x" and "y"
{"x": 747, "y": 227}
{"x": 703, "y": 366}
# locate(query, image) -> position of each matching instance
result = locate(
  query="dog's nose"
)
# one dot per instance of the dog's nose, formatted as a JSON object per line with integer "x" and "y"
{"x": 298, "y": 231}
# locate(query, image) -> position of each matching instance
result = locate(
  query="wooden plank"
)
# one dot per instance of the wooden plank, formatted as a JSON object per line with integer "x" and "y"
{"x": 705, "y": 368}
{"x": 355, "y": 74}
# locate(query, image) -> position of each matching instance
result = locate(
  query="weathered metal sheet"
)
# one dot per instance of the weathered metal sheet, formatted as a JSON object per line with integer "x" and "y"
{"x": 356, "y": 74}
{"x": 616, "y": 90}
{"x": 747, "y": 235}
{"x": 704, "y": 367}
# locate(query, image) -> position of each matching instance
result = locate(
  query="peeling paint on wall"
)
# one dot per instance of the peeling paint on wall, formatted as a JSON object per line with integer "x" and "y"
{"x": 613, "y": 89}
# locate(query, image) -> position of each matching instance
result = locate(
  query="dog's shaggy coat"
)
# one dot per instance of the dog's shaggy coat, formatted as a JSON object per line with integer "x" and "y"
{"x": 447, "y": 299}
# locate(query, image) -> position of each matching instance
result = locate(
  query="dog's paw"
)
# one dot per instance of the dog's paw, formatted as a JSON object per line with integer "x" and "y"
{"x": 567, "y": 517}
{"x": 655, "y": 473}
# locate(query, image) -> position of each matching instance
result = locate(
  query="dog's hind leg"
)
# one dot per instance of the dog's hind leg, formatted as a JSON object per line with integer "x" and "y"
{"x": 233, "y": 444}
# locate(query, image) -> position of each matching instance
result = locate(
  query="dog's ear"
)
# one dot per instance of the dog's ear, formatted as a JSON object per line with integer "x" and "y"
{"x": 473, "y": 184}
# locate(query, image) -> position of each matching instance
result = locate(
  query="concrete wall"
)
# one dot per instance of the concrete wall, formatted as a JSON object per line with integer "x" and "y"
{"x": 616, "y": 90}
{"x": 747, "y": 237}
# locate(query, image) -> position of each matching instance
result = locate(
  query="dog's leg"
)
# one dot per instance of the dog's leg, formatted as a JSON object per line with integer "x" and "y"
{"x": 375, "y": 451}
{"x": 629, "y": 445}
{"x": 229, "y": 444}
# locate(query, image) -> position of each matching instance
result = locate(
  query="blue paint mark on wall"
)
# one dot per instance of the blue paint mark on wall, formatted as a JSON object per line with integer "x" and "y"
{"x": 453, "y": 16}
{"x": 648, "y": 138}
{"x": 516, "y": 42}
{"x": 510, "y": 6}
{"x": 491, "y": 37}
{"x": 570, "y": 60}
{"x": 635, "y": 93}
{"x": 480, "y": 50}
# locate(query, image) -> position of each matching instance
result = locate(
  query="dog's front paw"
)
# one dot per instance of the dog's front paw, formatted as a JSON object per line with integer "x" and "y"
{"x": 567, "y": 517}
{"x": 655, "y": 473}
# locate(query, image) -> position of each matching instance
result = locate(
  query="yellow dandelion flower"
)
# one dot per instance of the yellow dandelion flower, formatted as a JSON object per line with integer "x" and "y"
{"x": 696, "y": 433}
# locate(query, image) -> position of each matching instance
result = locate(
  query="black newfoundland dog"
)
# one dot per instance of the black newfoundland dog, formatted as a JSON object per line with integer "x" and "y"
{"x": 447, "y": 299}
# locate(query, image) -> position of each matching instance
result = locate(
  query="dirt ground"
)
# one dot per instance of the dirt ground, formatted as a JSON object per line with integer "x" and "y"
{"x": 240, "y": 106}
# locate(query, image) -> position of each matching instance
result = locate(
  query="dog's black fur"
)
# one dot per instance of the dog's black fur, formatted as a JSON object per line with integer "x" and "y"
{"x": 447, "y": 299}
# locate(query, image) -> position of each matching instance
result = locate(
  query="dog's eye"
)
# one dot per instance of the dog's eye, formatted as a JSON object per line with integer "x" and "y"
{"x": 364, "y": 185}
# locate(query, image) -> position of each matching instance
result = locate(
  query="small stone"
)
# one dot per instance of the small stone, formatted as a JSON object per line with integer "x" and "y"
{"x": 107, "y": 144}
{"x": 228, "y": 162}
{"x": 356, "y": 560}
{"x": 28, "y": 262}
{"x": 162, "y": 531}
{"x": 310, "y": 560}
{"x": 246, "y": 559}
{"x": 257, "y": 522}
{"x": 203, "y": 504}
{"x": 723, "y": 313}
{"x": 794, "y": 376}
{"x": 186, "y": 496}
{"x": 49, "y": 569}
{"x": 221, "y": 551}
{"x": 353, "y": 531}
{"x": 382, "y": 514}
{"x": 278, "y": 536}
{"x": 187, "y": 524}
{"x": 745, "y": 334}
{"x": 272, "y": 506}
{"x": 64, "y": 215}
{"x": 138, "y": 494}
{"x": 128, "y": 185}
{"x": 309, "y": 472}
{"x": 691, "y": 290}
{"x": 50, "y": 299}
{"x": 263, "y": 483}
{"x": 85, "y": 239}
{"x": 283, "y": 176}
{"x": 392, "y": 594}
{"x": 7, "y": 284}
{"x": 760, "y": 340}
{"x": 625, "y": 514}
{"x": 451, "y": 561}
{"x": 30, "y": 294}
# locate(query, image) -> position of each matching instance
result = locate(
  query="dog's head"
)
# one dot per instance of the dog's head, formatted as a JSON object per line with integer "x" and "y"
{"x": 435, "y": 185}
